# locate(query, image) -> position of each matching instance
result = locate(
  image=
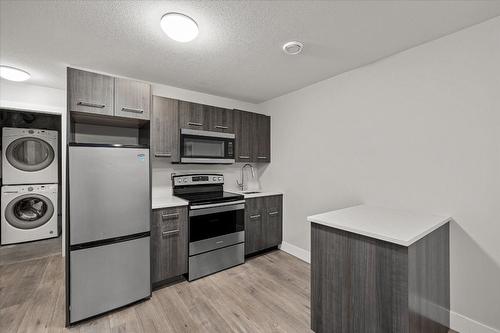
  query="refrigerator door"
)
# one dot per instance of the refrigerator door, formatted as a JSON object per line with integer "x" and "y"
{"x": 106, "y": 277}
{"x": 109, "y": 192}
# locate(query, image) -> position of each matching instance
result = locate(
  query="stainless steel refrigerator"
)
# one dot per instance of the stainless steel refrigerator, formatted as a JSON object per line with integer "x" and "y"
{"x": 109, "y": 228}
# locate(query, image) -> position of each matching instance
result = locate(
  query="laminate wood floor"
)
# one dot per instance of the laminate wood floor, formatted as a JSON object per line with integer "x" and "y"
{"x": 269, "y": 293}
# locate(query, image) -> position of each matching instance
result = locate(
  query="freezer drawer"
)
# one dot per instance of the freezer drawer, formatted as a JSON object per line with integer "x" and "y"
{"x": 106, "y": 277}
{"x": 109, "y": 193}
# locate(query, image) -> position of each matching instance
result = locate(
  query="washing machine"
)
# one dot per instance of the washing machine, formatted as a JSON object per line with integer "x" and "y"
{"x": 29, "y": 156}
{"x": 29, "y": 212}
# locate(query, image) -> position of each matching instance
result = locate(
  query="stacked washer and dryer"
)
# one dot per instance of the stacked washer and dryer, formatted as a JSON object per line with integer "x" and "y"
{"x": 29, "y": 185}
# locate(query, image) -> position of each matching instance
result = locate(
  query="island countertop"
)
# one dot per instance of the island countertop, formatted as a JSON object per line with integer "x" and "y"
{"x": 395, "y": 226}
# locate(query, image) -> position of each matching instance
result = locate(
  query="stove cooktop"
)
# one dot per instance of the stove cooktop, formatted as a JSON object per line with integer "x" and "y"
{"x": 210, "y": 197}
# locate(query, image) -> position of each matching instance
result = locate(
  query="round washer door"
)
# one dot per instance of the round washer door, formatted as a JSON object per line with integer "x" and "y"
{"x": 29, "y": 211}
{"x": 29, "y": 154}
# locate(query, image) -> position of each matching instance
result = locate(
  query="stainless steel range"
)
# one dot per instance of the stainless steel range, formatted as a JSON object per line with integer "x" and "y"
{"x": 216, "y": 223}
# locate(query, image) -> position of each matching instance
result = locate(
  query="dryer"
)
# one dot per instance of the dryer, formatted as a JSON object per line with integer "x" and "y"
{"x": 29, "y": 156}
{"x": 29, "y": 212}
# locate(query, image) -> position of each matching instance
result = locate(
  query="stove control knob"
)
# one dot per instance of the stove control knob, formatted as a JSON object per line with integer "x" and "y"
{"x": 185, "y": 180}
{"x": 214, "y": 179}
{"x": 220, "y": 179}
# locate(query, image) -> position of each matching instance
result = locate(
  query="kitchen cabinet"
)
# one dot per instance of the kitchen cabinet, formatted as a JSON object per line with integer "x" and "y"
{"x": 132, "y": 99}
{"x": 263, "y": 223}
{"x": 165, "y": 129}
{"x": 262, "y": 145}
{"x": 169, "y": 243}
{"x": 193, "y": 116}
{"x": 90, "y": 92}
{"x": 244, "y": 128}
{"x": 220, "y": 120}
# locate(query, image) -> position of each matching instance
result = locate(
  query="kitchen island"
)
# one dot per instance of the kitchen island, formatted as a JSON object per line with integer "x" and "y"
{"x": 379, "y": 270}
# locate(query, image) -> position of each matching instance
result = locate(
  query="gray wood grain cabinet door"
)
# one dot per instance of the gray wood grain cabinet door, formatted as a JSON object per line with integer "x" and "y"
{"x": 169, "y": 243}
{"x": 263, "y": 138}
{"x": 90, "y": 92}
{"x": 132, "y": 99}
{"x": 244, "y": 129}
{"x": 272, "y": 226}
{"x": 165, "y": 129}
{"x": 193, "y": 116}
{"x": 254, "y": 218}
{"x": 220, "y": 120}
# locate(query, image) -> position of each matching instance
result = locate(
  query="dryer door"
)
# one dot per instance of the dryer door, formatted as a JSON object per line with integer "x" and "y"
{"x": 29, "y": 211}
{"x": 29, "y": 154}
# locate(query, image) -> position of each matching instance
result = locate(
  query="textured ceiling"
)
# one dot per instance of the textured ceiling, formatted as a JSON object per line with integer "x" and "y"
{"x": 238, "y": 51}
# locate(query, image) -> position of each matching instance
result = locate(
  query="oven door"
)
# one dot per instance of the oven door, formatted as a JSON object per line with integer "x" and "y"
{"x": 206, "y": 147}
{"x": 214, "y": 226}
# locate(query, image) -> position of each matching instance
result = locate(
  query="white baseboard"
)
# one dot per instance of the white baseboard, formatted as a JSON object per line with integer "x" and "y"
{"x": 296, "y": 252}
{"x": 463, "y": 324}
{"x": 458, "y": 322}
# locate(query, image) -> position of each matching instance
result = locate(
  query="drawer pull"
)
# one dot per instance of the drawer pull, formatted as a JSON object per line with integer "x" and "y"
{"x": 255, "y": 216}
{"x": 92, "y": 105}
{"x": 262, "y": 157}
{"x": 273, "y": 213}
{"x": 244, "y": 157}
{"x": 171, "y": 232}
{"x": 221, "y": 127}
{"x": 170, "y": 216}
{"x": 132, "y": 110}
{"x": 194, "y": 124}
{"x": 219, "y": 242}
{"x": 163, "y": 154}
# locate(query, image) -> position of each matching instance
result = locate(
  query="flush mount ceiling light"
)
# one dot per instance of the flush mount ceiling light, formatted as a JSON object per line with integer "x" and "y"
{"x": 179, "y": 27}
{"x": 293, "y": 47}
{"x": 13, "y": 74}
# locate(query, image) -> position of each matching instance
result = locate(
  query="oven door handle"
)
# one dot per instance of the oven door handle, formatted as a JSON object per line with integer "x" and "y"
{"x": 231, "y": 203}
{"x": 216, "y": 208}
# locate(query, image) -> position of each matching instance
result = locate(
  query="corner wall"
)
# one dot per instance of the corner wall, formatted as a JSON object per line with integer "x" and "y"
{"x": 419, "y": 130}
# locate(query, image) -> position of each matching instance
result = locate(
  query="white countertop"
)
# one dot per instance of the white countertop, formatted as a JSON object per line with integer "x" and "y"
{"x": 161, "y": 197}
{"x": 391, "y": 225}
{"x": 258, "y": 194}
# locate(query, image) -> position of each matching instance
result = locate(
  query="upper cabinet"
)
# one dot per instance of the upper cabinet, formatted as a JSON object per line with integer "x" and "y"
{"x": 165, "y": 129}
{"x": 90, "y": 92}
{"x": 244, "y": 128}
{"x": 98, "y": 94}
{"x": 132, "y": 99}
{"x": 263, "y": 138}
{"x": 220, "y": 120}
{"x": 193, "y": 116}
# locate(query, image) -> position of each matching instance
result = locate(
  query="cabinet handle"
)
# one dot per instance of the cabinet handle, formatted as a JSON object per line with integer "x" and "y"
{"x": 262, "y": 157}
{"x": 91, "y": 105}
{"x": 221, "y": 127}
{"x": 171, "y": 232}
{"x": 244, "y": 157}
{"x": 273, "y": 213}
{"x": 163, "y": 154}
{"x": 194, "y": 124}
{"x": 255, "y": 216}
{"x": 132, "y": 110}
{"x": 170, "y": 216}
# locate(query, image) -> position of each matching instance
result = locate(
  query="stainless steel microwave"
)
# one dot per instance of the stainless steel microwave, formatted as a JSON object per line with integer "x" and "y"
{"x": 206, "y": 147}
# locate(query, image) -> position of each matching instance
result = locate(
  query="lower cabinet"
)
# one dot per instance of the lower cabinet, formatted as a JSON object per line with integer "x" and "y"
{"x": 263, "y": 223}
{"x": 169, "y": 243}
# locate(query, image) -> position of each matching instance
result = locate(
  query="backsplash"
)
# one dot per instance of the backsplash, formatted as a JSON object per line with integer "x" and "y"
{"x": 162, "y": 171}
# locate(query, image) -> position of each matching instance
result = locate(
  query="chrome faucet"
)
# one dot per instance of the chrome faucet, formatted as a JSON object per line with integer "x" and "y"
{"x": 242, "y": 184}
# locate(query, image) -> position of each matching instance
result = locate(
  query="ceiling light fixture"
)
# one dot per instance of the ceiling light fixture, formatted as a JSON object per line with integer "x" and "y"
{"x": 13, "y": 74}
{"x": 293, "y": 47}
{"x": 179, "y": 27}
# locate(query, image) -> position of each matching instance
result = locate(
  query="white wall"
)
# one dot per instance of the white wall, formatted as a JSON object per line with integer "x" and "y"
{"x": 419, "y": 130}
